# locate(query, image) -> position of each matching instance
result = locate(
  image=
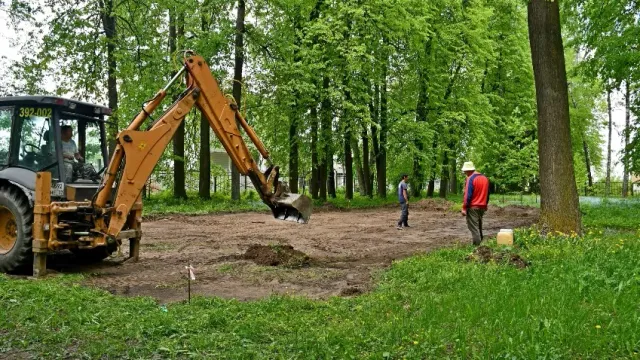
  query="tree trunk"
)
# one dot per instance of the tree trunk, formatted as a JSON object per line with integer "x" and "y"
{"x": 431, "y": 187}
{"x": 357, "y": 160}
{"x": 237, "y": 85}
{"x": 587, "y": 161}
{"x": 331, "y": 186}
{"x": 422, "y": 105}
{"x": 585, "y": 149}
{"x": 314, "y": 187}
{"x": 558, "y": 192}
{"x": 374, "y": 129}
{"x": 418, "y": 175}
{"x": 444, "y": 177}
{"x": 372, "y": 174}
{"x": 607, "y": 186}
{"x": 204, "y": 181}
{"x": 110, "y": 30}
{"x": 453, "y": 177}
{"x": 179, "y": 178}
{"x": 348, "y": 157}
{"x": 317, "y": 166}
{"x": 325, "y": 138}
{"x": 295, "y": 114}
{"x": 627, "y": 130}
{"x": 366, "y": 168}
{"x": 293, "y": 152}
{"x": 348, "y": 165}
{"x": 204, "y": 175}
{"x": 381, "y": 163}
{"x": 449, "y": 147}
{"x": 322, "y": 180}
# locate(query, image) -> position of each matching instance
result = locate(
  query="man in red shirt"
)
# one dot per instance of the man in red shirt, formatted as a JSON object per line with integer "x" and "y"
{"x": 475, "y": 200}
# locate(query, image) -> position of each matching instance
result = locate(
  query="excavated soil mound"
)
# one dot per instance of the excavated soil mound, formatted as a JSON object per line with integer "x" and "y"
{"x": 484, "y": 254}
{"x": 431, "y": 204}
{"x": 276, "y": 255}
{"x": 519, "y": 211}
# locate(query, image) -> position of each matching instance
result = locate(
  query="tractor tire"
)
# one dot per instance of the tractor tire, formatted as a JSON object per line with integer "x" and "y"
{"x": 16, "y": 225}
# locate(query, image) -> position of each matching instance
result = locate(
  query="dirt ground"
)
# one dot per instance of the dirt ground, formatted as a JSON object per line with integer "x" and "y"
{"x": 344, "y": 251}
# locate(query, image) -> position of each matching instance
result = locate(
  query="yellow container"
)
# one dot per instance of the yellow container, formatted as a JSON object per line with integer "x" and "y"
{"x": 505, "y": 237}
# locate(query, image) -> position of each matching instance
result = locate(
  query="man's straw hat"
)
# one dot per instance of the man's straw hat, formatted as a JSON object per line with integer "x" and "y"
{"x": 468, "y": 166}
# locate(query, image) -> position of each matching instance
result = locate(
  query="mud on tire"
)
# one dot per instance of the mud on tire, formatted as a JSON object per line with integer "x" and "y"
{"x": 17, "y": 256}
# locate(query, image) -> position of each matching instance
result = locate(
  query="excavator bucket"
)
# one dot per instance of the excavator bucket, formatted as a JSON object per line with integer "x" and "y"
{"x": 292, "y": 207}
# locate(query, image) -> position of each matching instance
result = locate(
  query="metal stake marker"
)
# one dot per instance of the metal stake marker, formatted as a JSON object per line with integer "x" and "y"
{"x": 189, "y": 280}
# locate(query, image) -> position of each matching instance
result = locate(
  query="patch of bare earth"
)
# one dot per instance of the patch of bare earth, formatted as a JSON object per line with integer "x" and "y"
{"x": 237, "y": 255}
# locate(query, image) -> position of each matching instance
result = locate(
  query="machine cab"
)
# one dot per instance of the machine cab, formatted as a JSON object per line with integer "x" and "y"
{"x": 64, "y": 137}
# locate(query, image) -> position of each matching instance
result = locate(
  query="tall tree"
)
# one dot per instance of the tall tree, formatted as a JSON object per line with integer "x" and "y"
{"x": 607, "y": 189}
{"x": 375, "y": 123}
{"x": 237, "y": 84}
{"x": 176, "y": 33}
{"x": 366, "y": 166}
{"x": 607, "y": 36}
{"x": 108, "y": 17}
{"x": 422, "y": 105}
{"x": 453, "y": 177}
{"x": 204, "y": 174}
{"x": 295, "y": 113}
{"x": 381, "y": 156}
{"x": 558, "y": 192}
{"x": 314, "y": 187}
{"x": 325, "y": 168}
{"x": 626, "y": 134}
{"x": 348, "y": 164}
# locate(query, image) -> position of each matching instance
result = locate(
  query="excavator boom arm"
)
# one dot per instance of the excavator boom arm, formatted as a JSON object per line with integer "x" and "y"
{"x": 137, "y": 151}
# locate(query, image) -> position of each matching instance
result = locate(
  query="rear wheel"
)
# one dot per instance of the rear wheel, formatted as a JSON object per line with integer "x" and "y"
{"x": 16, "y": 221}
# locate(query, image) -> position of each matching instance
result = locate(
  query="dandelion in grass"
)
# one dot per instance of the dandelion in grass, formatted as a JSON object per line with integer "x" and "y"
{"x": 598, "y": 326}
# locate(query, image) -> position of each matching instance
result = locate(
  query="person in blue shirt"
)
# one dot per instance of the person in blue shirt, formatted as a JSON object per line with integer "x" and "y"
{"x": 403, "y": 198}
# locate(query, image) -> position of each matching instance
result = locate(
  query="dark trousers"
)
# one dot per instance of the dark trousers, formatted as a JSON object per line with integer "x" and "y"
{"x": 77, "y": 170}
{"x": 404, "y": 214}
{"x": 474, "y": 223}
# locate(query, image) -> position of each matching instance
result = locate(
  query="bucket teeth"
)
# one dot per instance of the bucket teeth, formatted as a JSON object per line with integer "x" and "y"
{"x": 292, "y": 207}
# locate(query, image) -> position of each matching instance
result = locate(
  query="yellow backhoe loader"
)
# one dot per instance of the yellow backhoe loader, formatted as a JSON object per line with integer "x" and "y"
{"x": 45, "y": 203}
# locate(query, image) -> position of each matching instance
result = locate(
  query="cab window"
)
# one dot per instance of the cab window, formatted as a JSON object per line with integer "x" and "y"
{"x": 34, "y": 147}
{"x": 86, "y": 135}
{"x": 5, "y": 133}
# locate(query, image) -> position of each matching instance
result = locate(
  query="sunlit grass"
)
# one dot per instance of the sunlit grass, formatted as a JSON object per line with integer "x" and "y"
{"x": 577, "y": 299}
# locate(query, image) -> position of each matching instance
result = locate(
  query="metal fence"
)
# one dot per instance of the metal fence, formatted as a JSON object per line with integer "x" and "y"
{"x": 599, "y": 189}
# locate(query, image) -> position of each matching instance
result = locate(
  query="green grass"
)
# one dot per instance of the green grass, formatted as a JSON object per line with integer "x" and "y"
{"x": 578, "y": 299}
{"x": 165, "y": 203}
{"x": 617, "y": 215}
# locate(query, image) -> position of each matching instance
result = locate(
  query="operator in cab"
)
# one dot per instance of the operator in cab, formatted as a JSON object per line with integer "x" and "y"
{"x": 74, "y": 164}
